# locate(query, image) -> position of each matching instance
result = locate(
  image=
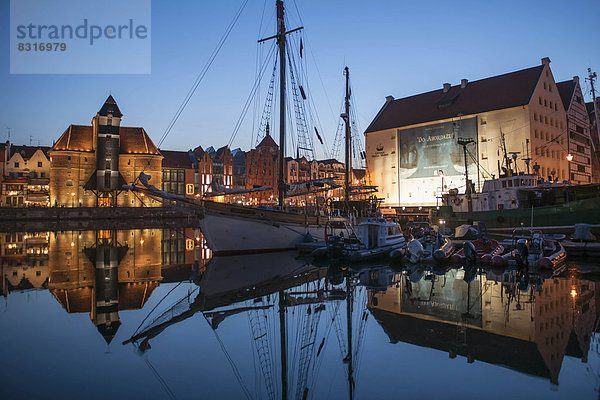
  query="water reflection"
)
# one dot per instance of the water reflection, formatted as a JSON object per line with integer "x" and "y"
{"x": 494, "y": 318}
{"x": 281, "y": 326}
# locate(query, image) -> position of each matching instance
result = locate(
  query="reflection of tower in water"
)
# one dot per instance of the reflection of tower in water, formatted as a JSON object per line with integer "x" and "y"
{"x": 103, "y": 272}
{"x": 106, "y": 255}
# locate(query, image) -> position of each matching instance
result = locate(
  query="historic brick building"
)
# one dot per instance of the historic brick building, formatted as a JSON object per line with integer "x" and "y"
{"x": 203, "y": 170}
{"x": 579, "y": 143}
{"x": 89, "y": 164}
{"x": 261, "y": 170}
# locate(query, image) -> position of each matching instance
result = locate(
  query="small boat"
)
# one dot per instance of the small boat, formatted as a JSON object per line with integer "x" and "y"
{"x": 424, "y": 245}
{"x": 482, "y": 250}
{"x": 530, "y": 249}
{"x": 376, "y": 237}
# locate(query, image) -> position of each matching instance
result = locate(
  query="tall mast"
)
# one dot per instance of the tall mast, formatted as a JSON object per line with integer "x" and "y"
{"x": 348, "y": 141}
{"x": 281, "y": 44}
{"x": 349, "y": 301}
{"x": 284, "y": 388}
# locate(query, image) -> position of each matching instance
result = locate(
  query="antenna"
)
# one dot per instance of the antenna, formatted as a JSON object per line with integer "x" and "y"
{"x": 30, "y": 140}
{"x": 591, "y": 77}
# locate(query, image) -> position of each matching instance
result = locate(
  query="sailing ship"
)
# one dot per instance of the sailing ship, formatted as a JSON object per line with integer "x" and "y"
{"x": 234, "y": 229}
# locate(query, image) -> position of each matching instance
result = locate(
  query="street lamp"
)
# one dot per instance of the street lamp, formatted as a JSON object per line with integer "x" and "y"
{"x": 569, "y": 158}
{"x": 72, "y": 199}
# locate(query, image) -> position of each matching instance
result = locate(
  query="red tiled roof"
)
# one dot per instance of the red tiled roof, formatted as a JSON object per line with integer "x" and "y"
{"x": 176, "y": 159}
{"x": 80, "y": 138}
{"x": 268, "y": 142}
{"x": 28, "y": 151}
{"x": 494, "y": 93}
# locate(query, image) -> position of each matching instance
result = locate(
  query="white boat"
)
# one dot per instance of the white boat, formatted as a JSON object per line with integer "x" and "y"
{"x": 376, "y": 237}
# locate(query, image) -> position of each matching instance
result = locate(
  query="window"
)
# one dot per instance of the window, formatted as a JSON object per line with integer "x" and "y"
{"x": 536, "y": 134}
{"x": 69, "y": 158}
{"x": 189, "y": 189}
{"x": 39, "y": 164}
{"x": 578, "y": 99}
{"x": 550, "y": 103}
{"x": 540, "y": 100}
{"x": 16, "y": 164}
{"x": 545, "y": 103}
{"x": 545, "y": 86}
{"x": 535, "y": 116}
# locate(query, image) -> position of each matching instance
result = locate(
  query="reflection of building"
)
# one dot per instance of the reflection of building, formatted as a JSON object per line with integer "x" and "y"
{"x": 89, "y": 164}
{"x": 525, "y": 328}
{"x": 104, "y": 272}
{"x": 23, "y": 261}
{"x": 412, "y": 142}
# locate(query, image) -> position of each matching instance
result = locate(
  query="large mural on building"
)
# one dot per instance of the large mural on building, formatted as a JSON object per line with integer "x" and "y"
{"x": 428, "y": 155}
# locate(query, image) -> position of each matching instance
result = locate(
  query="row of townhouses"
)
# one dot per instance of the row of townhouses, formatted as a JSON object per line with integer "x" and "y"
{"x": 89, "y": 164}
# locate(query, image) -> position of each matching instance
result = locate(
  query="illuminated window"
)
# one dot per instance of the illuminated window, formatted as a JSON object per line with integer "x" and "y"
{"x": 189, "y": 244}
{"x": 189, "y": 189}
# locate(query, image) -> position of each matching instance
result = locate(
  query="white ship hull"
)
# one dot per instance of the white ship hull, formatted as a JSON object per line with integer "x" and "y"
{"x": 234, "y": 235}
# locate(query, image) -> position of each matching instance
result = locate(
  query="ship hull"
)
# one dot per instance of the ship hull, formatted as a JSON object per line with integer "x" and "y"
{"x": 229, "y": 234}
{"x": 581, "y": 211}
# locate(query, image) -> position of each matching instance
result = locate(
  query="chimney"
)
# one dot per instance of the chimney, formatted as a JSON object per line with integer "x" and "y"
{"x": 389, "y": 98}
{"x": 463, "y": 83}
{"x": 576, "y": 79}
{"x": 446, "y": 87}
{"x": 545, "y": 61}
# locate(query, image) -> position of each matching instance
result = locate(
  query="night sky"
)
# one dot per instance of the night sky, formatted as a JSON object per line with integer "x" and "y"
{"x": 392, "y": 48}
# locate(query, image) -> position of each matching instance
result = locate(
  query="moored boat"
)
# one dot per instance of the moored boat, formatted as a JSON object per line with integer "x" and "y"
{"x": 376, "y": 237}
{"x": 530, "y": 249}
{"x": 482, "y": 250}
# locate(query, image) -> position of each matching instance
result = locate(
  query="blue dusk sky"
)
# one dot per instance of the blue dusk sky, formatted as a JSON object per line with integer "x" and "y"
{"x": 397, "y": 48}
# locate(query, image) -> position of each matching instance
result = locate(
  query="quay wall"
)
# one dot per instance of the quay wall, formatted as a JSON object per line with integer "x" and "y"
{"x": 95, "y": 218}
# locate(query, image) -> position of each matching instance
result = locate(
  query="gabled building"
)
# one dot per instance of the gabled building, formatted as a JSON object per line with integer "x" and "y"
{"x": 89, "y": 164}
{"x": 178, "y": 172}
{"x": 203, "y": 170}
{"x": 239, "y": 168}
{"x": 579, "y": 142}
{"x": 261, "y": 170}
{"x": 222, "y": 165}
{"x": 26, "y": 177}
{"x": 412, "y": 143}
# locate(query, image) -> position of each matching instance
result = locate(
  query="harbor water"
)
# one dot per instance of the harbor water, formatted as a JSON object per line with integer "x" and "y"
{"x": 150, "y": 314}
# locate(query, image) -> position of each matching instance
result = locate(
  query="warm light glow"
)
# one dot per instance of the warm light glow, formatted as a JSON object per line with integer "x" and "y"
{"x": 141, "y": 241}
{"x": 72, "y": 194}
{"x": 72, "y": 244}
{"x": 569, "y": 157}
{"x": 573, "y": 293}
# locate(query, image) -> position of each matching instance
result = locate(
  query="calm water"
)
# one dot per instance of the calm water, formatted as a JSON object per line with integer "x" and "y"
{"x": 148, "y": 314}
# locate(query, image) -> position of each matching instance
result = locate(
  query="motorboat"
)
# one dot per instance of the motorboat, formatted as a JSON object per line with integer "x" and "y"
{"x": 376, "y": 237}
{"x": 530, "y": 249}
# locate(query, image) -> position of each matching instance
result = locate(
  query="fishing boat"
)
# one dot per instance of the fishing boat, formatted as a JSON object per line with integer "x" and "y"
{"x": 376, "y": 237}
{"x": 513, "y": 200}
{"x": 530, "y": 249}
